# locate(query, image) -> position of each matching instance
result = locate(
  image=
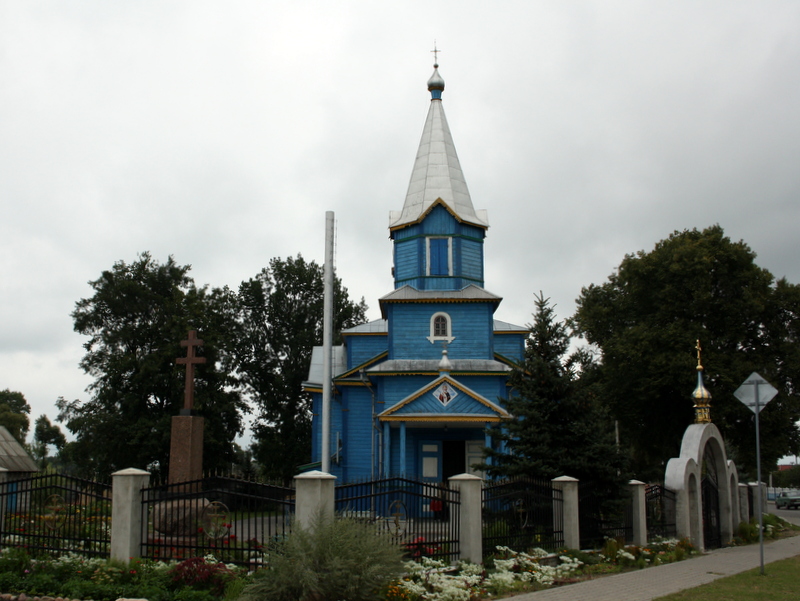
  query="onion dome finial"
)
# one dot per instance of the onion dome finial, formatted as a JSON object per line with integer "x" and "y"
{"x": 701, "y": 395}
{"x": 436, "y": 83}
{"x": 444, "y": 365}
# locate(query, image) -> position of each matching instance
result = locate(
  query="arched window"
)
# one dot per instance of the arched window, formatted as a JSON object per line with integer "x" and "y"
{"x": 441, "y": 328}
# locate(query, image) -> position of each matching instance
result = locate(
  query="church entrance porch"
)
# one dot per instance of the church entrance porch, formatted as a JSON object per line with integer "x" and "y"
{"x": 432, "y": 453}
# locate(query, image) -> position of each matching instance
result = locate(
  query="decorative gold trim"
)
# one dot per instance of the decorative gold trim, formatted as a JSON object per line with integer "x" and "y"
{"x": 435, "y": 417}
{"x": 426, "y": 212}
{"x": 363, "y": 365}
{"x": 365, "y": 333}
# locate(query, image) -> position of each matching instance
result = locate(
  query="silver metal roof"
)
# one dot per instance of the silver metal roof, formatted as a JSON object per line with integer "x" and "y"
{"x": 437, "y": 173}
{"x": 379, "y": 326}
{"x": 504, "y": 326}
{"x": 432, "y": 365}
{"x": 315, "y": 369}
{"x": 471, "y": 292}
{"x": 13, "y": 455}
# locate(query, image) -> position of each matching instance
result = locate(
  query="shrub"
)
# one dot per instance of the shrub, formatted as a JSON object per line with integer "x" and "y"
{"x": 202, "y": 573}
{"x": 331, "y": 560}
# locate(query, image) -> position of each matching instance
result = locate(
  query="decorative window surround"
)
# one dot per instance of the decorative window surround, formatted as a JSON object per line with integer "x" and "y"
{"x": 441, "y": 328}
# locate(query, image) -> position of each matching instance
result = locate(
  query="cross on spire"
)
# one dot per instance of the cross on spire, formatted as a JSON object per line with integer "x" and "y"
{"x": 436, "y": 52}
{"x": 190, "y": 360}
{"x": 697, "y": 347}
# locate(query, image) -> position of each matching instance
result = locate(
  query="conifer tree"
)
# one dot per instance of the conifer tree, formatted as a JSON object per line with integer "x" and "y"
{"x": 559, "y": 427}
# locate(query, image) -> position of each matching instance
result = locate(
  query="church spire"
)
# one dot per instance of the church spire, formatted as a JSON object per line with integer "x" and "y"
{"x": 437, "y": 176}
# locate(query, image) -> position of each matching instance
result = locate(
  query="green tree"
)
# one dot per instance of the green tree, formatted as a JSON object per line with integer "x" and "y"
{"x": 694, "y": 285}
{"x": 559, "y": 427}
{"x": 135, "y": 321}
{"x": 45, "y": 435}
{"x": 280, "y": 315}
{"x": 14, "y": 414}
{"x": 789, "y": 478}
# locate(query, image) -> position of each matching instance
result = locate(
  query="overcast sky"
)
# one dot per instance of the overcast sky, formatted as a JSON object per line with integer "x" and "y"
{"x": 221, "y": 132}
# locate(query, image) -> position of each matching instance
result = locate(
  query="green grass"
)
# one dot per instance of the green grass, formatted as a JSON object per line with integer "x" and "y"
{"x": 780, "y": 582}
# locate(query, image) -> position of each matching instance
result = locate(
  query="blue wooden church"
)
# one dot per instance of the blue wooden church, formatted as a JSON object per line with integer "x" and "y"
{"x": 414, "y": 391}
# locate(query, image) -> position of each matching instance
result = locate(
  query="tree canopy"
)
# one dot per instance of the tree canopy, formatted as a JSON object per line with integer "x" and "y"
{"x": 135, "y": 321}
{"x": 281, "y": 315}
{"x": 257, "y": 343}
{"x": 646, "y": 319}
{"x": 45, "y": 435}
{"x": 14, "y": 414}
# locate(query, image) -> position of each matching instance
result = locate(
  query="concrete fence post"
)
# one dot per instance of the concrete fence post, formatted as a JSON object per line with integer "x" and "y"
{"x": 744, "y": 504}
{"x": 470, "y": 525}
{"x": 639, "y": 507}
{"x": 314, "y": 497}
{"x": 3, "y": 499}
{"x": 572, "y": 517}
{"x": 127, "y": 527}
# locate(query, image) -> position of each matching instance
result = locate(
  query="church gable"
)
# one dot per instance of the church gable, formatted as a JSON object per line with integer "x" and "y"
{"x": 444, "y": 399}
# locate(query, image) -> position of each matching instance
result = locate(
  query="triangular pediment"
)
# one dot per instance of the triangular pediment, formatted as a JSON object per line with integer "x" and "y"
{"x": 445, "y": 399}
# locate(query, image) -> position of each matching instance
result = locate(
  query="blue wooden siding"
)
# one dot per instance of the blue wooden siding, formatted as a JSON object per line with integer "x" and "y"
{"x": 471, "y": 260}
{"x": 363, "y": 347}
{"x": 410, "y": 258}
{"x": 511, "y": 346}
{"x": 472, "y": 326}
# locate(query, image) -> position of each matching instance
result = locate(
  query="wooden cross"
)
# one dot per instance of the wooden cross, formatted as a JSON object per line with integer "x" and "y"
{"x": 190, "y": 361}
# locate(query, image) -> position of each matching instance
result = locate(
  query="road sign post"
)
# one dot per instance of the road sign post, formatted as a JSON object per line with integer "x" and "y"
{"x": 755, "y": 393}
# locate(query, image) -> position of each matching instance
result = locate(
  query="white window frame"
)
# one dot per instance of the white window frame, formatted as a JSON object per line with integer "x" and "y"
{"x": 449, "y": 337}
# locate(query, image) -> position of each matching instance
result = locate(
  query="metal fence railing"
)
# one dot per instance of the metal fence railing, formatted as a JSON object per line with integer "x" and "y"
{"x": 55, "y": 513}
{"x": 522, "y": 513}
{"x": 232, "y": 519}
{"x": 422, "y": 517}
{"x": 603, "y": 516}
{"x": 661, "y": 512}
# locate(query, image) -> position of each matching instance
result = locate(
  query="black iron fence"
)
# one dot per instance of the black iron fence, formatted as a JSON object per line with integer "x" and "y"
{"x": 54, "y": 513}
{"x": 422, "y": 517}
{"x": 522, "y": 513}
{"x": 604, "y": 514}
{"x": 661, "y": 512}
{"x": 232, "y": 519}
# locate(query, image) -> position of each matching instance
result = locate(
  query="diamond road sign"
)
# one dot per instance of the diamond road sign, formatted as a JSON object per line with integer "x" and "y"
{"x": 755, "y": 384}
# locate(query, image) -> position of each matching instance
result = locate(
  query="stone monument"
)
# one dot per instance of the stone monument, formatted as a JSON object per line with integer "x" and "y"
{"x": 186, "y": 442}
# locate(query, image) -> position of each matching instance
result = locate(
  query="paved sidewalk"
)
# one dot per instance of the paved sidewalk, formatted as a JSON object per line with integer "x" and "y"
{"x": 657, "y": 581}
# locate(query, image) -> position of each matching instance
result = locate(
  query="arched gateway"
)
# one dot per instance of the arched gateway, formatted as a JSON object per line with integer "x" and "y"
{"x": 706, "y": 482}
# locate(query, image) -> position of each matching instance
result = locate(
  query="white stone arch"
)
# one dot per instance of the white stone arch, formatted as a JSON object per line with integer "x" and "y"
{"x": 695, "y": 530}
{"x": 684, "y": 474}
{"x": 733, "y": 475}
